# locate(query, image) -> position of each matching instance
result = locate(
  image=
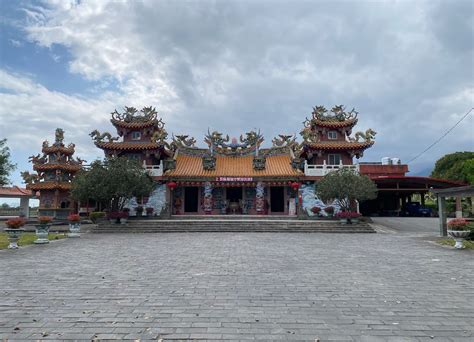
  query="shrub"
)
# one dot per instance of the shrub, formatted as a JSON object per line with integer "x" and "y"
{"x": 149, "y": 210}
{"x": 45, "y": 219}
{"x": 113, "y": 215}
{"x": 139, "y": 209}
{"x": 96, "y": 215}
{"x": 329, "y": 210}
{"x": 74, "y": 218}
{"x": 15, "y": 223}
{"x": 348, "y": 214}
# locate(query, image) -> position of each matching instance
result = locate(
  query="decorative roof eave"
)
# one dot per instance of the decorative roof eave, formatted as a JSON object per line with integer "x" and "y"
{"x": 66, "y": 167}
{"x": 134, "y": 125}
{"x": 54, "y": 149}
{"x": 213, "y": 179}
{"x": 49, "y": 186}
{"x": 125, "y": 146}
{"x": 339, "y": 146}
{"x": 334, "y": 124}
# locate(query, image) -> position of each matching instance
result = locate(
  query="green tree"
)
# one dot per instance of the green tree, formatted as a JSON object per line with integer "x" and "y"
{"x": 112, "y": 182}
{"x": 346, "y": 186}
{"x": 452, "y": 167}
{"x": 6, "y": 166}
{"x": 468, "y": 170}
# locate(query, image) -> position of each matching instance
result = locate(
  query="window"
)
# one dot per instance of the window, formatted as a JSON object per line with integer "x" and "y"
{"x": 332, "y": 135}
{"x": 334, "y": 159}
{"x": 136, "y": 135}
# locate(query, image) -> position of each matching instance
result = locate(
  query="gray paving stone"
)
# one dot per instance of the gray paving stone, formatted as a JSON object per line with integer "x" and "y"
{"x": 238, "y": 286}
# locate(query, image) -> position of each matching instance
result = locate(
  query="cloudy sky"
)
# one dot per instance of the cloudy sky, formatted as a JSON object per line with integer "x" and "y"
{"x": 406, "y": 66}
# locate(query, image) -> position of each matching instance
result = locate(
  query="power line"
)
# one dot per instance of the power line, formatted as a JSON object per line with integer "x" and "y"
{"x": 441, "y": 137}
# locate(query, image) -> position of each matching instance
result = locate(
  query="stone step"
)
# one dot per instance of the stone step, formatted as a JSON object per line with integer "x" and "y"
{"x": 164, "y": 226}
{"x": 233, "y": 217}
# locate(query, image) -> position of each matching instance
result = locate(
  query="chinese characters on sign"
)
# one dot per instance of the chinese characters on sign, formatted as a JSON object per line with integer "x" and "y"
{"x": 234, "y": 179}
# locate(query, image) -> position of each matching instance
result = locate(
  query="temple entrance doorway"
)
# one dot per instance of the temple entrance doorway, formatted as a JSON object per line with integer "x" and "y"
{"x": 191, "y": 199}
{"x": 277, "y": 199}
{"x": 234, "y": 199}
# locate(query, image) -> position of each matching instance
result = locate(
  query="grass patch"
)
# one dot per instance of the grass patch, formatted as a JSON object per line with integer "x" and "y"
{"x": 450, "y": 242}
{"x": 27, "y": 239}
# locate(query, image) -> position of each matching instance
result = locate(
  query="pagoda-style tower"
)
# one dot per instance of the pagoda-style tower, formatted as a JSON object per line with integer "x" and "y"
{"x": 143, "y": 138}
{"x": 55, "y": 170}
{"x": 327, "y": 140}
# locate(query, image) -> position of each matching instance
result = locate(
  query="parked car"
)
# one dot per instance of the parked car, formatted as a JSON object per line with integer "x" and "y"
{"x": 416, "y": 209}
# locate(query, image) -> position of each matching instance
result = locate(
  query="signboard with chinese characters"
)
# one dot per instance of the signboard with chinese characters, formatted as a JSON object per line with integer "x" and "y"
{"x": 234, "y": 179}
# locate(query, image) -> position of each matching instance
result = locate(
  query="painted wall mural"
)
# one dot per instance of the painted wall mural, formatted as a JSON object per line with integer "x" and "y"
{"x": 310, "y": 201}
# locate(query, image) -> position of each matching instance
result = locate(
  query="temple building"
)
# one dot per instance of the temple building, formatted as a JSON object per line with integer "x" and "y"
{"x": 55, "y": 169}
{"x": 236, "y": 176}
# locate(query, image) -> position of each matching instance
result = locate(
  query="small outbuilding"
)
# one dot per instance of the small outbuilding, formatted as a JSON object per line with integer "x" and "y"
{"x": 459, "y": 193}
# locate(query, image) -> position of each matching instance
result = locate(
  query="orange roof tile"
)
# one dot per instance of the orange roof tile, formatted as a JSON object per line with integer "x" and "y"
{"x": 128, "y": 146}
{"x": 15, "y": 191}
{"x": 191, "y": 166}
{"x": 340, "y": 145}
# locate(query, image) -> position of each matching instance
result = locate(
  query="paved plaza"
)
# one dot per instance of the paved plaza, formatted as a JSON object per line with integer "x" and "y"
{"x": 237, "y": 286}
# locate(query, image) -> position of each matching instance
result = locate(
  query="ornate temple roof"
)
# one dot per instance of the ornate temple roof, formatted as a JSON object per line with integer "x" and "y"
{"x": 335, "y": 124}
{"x": 129, "y": 146}
{"x": 58, "y": 166}
{"x": 131, "y": 118}
{"x": 227, "y": 166}
{"x": 337, "y": 117}
{"x": 49, "y": 186}
{"x": 339, "y": 145}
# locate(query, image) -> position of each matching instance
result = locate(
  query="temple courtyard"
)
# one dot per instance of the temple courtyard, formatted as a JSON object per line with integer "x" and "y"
{"x": 396, "y": 285}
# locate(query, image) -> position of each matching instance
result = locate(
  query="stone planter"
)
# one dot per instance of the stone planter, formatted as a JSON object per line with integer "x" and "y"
{"x": 343, "y": 221}
{"x": 123, "y": 220}
{"x": 355, "y": 220}
{"x": 459, "y": 236}
{"x": 74, "y": 229}
{"x": 13, "y": 236}
{"x": 42, "y": 231}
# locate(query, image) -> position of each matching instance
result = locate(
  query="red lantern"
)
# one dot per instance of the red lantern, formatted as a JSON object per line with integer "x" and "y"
{"x": 295, "y": 186}
{"x": 172, "y": 185}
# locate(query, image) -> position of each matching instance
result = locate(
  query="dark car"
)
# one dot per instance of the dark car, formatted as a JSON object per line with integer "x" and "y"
{"x": 416, "y": 209}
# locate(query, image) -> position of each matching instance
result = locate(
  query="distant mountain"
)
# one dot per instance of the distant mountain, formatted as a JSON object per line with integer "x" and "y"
{"x": 425, "y": 172}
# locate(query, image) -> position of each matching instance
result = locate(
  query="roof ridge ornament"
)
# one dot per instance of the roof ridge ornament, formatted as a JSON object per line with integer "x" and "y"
{"x": 131, "y": 114}
{"x": 336, "y": 114}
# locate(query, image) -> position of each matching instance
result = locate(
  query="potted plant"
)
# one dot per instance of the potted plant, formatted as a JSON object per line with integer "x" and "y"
{"x": 348, "y": 217}
{"x": 459, "y": 229}
{"x": 74, "y": 225}
{"x": 123, "y": 215}
{"x": 42, "y": 229}
{"x": 354, "y": 216}
{"x": 149, "y": 211}
{"x": 96, "y": 216}
{"x": 342, "y": 216}
{"x": 139, "y": 211}
{"x": 329, "y": 210}
{"x": 113, "y": 217}
{"x": 14, "y": 231}
{"x": 316, "y": 211}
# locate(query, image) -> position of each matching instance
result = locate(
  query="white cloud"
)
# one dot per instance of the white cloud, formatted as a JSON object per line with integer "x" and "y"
{"x": 239, "y": 65}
